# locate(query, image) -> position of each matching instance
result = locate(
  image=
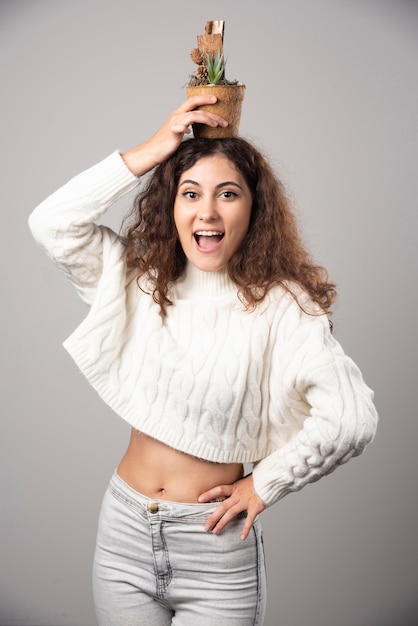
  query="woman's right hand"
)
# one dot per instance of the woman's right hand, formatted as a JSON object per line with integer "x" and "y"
{"x": 167, "y": 139}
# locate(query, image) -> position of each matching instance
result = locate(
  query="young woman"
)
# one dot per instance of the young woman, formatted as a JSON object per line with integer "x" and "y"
{"x": 208, "y": 332}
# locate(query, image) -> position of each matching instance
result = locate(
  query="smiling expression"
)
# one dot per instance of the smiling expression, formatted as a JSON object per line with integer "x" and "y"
{"x": 212, "y": 212}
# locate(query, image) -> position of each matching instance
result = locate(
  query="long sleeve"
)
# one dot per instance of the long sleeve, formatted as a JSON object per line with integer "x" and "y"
{"x": 326, "y": 387}
{"x": 65, "y": 223}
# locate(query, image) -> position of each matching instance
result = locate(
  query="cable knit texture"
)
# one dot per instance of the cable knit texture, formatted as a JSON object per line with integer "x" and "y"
{"x": 270, "y": 387}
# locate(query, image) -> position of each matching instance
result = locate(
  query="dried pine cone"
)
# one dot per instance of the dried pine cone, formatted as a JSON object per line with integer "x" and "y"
{"x": 201, "y": 72}
{"x": 196, "y": 56}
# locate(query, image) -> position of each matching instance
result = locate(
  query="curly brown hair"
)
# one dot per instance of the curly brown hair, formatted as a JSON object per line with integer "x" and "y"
{"x": 271, "y": 253}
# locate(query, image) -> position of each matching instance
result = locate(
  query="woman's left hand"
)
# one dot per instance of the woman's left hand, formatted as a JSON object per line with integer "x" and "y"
{"x": 240, "y": 496}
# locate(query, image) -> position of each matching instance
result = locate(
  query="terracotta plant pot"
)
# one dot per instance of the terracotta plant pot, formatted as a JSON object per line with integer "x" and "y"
{"x": 228, "y": 106}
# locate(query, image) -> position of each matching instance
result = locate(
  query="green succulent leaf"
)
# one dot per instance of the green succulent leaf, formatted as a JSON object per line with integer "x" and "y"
{"x": 215, "y": 66}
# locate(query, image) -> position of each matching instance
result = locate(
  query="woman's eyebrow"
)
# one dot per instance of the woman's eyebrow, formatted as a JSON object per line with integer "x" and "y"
{"x": 189, "y": 181}
{"x": 227, "y": 183}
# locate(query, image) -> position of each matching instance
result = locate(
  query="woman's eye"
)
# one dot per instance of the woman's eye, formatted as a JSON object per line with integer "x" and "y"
{"x": 190, "y": 194}
{"x": 228, "y": 194}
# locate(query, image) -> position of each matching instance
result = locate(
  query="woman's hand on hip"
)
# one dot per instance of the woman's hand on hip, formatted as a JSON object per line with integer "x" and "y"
{"x": 167, "y": 139}
{"x": 240, "y": 496}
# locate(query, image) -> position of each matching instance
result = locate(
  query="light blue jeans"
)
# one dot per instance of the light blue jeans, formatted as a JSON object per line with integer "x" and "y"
{"x": 156, "y": 565}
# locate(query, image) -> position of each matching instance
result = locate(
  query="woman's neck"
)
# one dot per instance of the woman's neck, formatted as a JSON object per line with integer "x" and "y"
{"x": 197, "y": 283}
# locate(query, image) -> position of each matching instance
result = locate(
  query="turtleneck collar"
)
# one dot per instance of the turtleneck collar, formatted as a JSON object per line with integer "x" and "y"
{"x": 209, "y": 285}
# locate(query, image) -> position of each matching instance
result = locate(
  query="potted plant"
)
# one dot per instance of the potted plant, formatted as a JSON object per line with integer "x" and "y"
{"x": 209, "y": 77}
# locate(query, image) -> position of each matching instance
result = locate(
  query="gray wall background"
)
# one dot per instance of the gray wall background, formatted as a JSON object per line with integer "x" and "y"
{"x": 332, "y": 100}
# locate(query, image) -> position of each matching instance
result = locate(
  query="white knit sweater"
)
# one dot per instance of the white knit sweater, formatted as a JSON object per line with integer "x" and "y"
{"x": 270, "y": 387}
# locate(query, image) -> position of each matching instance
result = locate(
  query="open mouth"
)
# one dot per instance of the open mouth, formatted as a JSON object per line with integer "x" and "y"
{"x": 208, "y": 239}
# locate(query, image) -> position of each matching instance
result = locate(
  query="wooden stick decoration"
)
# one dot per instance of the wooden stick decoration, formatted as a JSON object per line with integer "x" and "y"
{"x": 208, "y": 45}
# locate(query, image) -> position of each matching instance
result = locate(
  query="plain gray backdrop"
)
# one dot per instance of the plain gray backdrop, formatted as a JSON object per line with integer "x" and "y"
{"x": 332, "y": 100}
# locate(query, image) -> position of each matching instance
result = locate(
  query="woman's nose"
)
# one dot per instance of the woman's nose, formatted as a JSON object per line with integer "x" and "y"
{"x": 207, "y": 210}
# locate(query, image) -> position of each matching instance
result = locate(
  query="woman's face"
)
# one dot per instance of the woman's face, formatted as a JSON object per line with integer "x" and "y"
{"x": 212, "y": 212}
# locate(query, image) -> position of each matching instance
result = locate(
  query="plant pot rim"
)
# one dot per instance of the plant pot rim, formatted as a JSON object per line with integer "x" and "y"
{"x": 211, "y": 85}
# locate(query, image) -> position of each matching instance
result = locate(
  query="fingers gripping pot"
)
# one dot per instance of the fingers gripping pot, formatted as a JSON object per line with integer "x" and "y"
{"x": 228, "y": 105}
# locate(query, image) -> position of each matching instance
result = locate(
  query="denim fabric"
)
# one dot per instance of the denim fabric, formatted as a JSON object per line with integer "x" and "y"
{"x": 156, "y": 565}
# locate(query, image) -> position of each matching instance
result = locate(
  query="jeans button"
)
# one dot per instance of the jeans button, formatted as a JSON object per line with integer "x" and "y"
{"x": 153, "y": 507}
